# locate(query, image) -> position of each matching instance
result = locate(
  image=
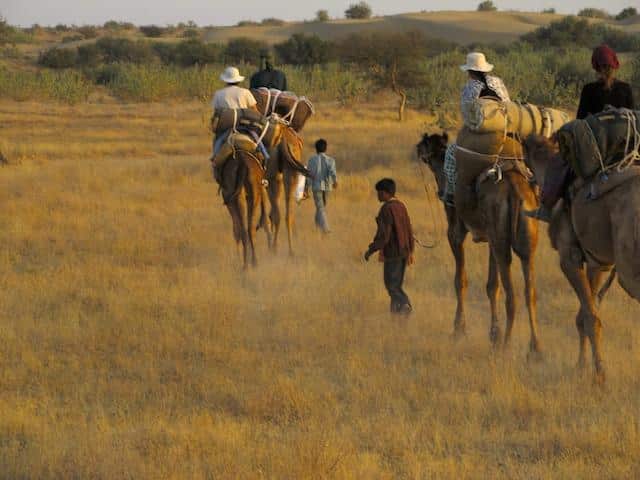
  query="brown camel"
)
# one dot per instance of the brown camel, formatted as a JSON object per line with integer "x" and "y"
{"x": 497, "y": 218}
{"x": 283, "y": 170}
{"x": 243, "y": 191}
{"x": 597, "y": 230}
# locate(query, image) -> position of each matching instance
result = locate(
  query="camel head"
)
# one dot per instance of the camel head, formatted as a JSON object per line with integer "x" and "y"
{"x": 538, "y": 152}
{"x": 431, "y": 150}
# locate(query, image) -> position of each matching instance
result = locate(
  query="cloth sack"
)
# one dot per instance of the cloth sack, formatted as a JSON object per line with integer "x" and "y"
{"x": 488, "y": 115}
{"x": 296, "y": 110}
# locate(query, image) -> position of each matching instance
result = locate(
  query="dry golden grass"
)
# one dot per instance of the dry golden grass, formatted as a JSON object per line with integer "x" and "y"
{"x": 133, "y": 346}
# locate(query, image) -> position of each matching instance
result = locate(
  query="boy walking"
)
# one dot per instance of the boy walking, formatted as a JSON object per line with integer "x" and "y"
{"x": 323, "y": 179}
{"x": 394, "y": 240}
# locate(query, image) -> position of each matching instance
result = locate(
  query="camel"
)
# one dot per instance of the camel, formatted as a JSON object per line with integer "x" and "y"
{"x": 592, "y": 234}
{"x": 498, "y": 219}
{"x": 243, "y": 191}
{"x": 283, "y": 170}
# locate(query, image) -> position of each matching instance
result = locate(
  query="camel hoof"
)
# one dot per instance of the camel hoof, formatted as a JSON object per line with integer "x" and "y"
{"x": 495, "y": 336}
{"x": 599, "y": 377}
{"x": 535, "y": 356}
{"x": 458, "y": 334}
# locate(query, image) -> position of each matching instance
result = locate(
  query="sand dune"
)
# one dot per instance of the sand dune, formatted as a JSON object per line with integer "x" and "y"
{"x": 461, "y": 27}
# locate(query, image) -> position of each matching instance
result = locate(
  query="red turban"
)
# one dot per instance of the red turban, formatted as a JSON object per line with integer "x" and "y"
{"x": 604, "y": 56}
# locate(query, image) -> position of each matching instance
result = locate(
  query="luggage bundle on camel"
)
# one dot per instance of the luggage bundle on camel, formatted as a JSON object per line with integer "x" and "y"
{"x": 519, "y": 119}
{"x": 247, "y": 130}
{"x": 603, "y": 142}
{"x": 293, "y": 109}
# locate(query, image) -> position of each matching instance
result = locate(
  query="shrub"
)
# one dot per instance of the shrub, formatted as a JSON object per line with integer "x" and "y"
{"x": 152, "y": 31}
{"x": 358, "y": 11}
{"x": 66, "y": 86}
{"x": 7, "y": 32}
{"x": 72, "y": 38}
{"x": 322, "y": 16}
{"x": 627, "y": 13}
{"x": 58, "y": 58}
{"x": 593, "y": 13}
{"x": 124, "y": 50}
{"x": 89, "y": 55}
{"x": 487, "y": 6}
{"x": 88, "y": 31}
{"x": 61, "y": 27}
{"x": 549, "y": 10}
{"x": 195, "y": 52}
{"x": 273, "y": 22}
{"x": 247, "y": 23}
{"x": 244, "y": 50}
{"x": 303, "y": 49}
{"x": 115, "y": 26}
{"x": 578, "y": 31}
{"x": 190, "y": 33}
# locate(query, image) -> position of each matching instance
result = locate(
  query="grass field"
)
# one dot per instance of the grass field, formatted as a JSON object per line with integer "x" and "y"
{"x": 133, "y": 346}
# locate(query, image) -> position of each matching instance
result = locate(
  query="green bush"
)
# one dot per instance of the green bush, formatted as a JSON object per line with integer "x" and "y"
{"x": 358, "y": 11}
{"x": 72, "y": 38}
{"x": 190, "y": 33}
{"x": 627, "y": 13}
{"x": 195, "y": 52}
{"x": 487, "y": 6}
{"x": 244, "y": 50}
{"x": 322, "y": 16}
{"x": 58, "y": 58}
{"x": 574, "y": 31}
{"x": 88, "y": 31}
{"x": 152, "y": 31}
{"x": 273, "y": 22}
{"x": 303, "y": 49}
{"x": 113, "y": 49}
{"x": 247, "y": 23}
{"x": 594, "y": 13}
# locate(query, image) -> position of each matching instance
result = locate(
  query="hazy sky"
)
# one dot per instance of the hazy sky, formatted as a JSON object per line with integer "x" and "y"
{"x": 217, "y": 12}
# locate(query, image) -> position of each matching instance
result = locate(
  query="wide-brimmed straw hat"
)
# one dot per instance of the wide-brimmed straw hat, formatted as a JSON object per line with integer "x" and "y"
{"x": 231, "y": 75}
{"x": 477, "y": 62}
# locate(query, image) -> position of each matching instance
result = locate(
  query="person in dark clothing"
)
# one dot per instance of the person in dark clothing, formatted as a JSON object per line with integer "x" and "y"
{"x": 595, "y": 97}
{"x": 394, "y": 240}
{"x": 269, "y": 77}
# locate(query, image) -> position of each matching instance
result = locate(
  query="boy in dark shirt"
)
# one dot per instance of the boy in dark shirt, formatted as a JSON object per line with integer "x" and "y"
{"x": 394, "y": 240}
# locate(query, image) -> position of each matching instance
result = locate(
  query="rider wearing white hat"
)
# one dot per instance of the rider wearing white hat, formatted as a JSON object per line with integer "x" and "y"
{"x": 480, "y": 84}
{"x": 232, "y": 96}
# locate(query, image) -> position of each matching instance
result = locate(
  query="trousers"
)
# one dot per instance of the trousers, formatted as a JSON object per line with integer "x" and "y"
{"x": 393, "y": 278}
{"x": 320, "y": 198}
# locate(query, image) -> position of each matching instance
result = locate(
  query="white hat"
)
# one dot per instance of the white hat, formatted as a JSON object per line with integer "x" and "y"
{"x": 477, "y": 62}
{"x": 231, "y": 75}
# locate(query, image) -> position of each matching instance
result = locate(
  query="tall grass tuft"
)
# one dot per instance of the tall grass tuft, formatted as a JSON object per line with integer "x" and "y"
{"x": 66, "y": 86}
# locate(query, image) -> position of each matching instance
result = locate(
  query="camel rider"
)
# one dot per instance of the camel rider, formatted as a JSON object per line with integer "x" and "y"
{"x": 594, "y": 98}
{"x": 231, "y": 96}
{"x": 479, "y": 85}
{"x": 269, "y": 77}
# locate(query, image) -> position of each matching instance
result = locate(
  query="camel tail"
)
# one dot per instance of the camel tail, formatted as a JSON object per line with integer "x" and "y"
{"x": 515, "y": 205}
{"x": 240, "y": 177}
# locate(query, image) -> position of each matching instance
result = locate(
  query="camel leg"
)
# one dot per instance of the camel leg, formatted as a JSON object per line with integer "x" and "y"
{"x": 253, "y": 207}
{"x": 493, "y": 292}
{"x": 237, "y": 209}
{"x": 600, "y": 280}
{"x": 265, "y": 221}
{"x": 275, "y": 191}
{"x": 504, "y": 267}
{"x": 587, "y": 321}
{"x": 456, "y": 234}
{"x": 528, "y": 271}
{"x": 291, "y": 180}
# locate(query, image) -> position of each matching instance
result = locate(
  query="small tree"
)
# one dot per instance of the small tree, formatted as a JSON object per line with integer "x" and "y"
{"x": 391, "y": 59}
{"x": 549, "y": 10}
{"x": 594, "y": 13}
{"x": 244, "y": 50}
{"x": 358, "y": 11}
{"x": 322, "y": 16}
{"x": 152, "y": 31}
{"x": 58, "y": 58}
{"x": 627, "y": 13}
{"x": 487, "y": 6}
{"x": 303, "y": 49}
